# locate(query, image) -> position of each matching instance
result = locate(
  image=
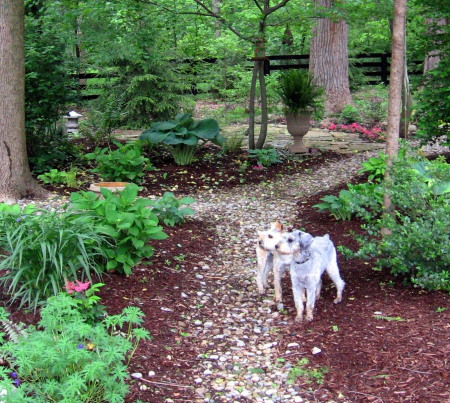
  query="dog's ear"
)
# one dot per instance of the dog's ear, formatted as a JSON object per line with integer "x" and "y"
{"x": 305, "y": 241}
{"x": 278, "y": 226}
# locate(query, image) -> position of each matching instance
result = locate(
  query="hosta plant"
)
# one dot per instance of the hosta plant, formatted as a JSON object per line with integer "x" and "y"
{"x": 128, "y": 221}
{"x": 169, "y": 209}
{"x": 184, "y": 135}
{"x": 125, "y": 164}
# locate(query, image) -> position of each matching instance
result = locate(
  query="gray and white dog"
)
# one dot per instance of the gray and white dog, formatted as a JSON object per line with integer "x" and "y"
{"x": 311, "y": 256}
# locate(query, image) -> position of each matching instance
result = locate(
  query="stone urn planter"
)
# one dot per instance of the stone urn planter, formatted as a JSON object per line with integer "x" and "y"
{"x": 112, "y": 186}
{"x": 298, "y": 125}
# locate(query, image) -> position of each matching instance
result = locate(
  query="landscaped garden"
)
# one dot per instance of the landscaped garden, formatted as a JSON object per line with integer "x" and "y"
{"x": 132, "y": 277}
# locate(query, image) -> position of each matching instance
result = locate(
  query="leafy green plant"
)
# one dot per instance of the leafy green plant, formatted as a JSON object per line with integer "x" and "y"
{"x": 349, "y": 114}
{"x": 14, "y": 331}
{"x": 127, "y": 220}
{"x": 265, "y": 157}
{"x": 417, "y": 247}
{"x": 169, "y": 209}
{"x": 67, "y": 359}
{"x": 338, "y": 206}
{"x": 126, "y": 163}
{"x": 363, "y": 200}
{"x": 87, "y": 302}
{"x": 233, "y": 144}
{"x": 49, "y": 147}
{"x": 42, "y": 248}
{"x": 375, "y": 167}
{"x": 56, "y": 177}
{"x": 184, "y": 135}
{"x": 298, "y": 92}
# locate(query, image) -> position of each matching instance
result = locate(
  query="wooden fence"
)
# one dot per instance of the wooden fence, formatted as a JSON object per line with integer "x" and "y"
{"x": 374, "y": 66}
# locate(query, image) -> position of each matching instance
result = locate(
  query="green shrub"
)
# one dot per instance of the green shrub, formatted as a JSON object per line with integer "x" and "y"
{"x": 375, "y": 167}
{"x": 183, "y": 135}
{"x": 233, "y": 144}
{"x": 56, "y": 177}
{"x": 41, "y": 249}
{"x": 126, "y": 163}
{"x": 265, "y": 157}
{"x": 168, "y": 208}
{"x": 349, "y": 114}
{"x": 69, "y": 360}
{"x": 50, "y": 147}
{"x": 418, "y": 248}
{"x": 127, "y": 220}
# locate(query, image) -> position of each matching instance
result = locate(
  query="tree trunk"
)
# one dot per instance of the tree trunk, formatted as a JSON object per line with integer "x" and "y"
{"x": 15, "y": 177}
{"x": 264, "y": 113}
{"x": 216, "y": 10}
{"x": 328, "y": 60}
{"x": 432, "y": 58}
{"x": 251, "y": 108}
{"x": 395, "y": 91}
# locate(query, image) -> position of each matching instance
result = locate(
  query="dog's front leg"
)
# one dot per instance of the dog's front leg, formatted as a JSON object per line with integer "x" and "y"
{"x": 277, "y": 283}
{"x": 261, "y": 276}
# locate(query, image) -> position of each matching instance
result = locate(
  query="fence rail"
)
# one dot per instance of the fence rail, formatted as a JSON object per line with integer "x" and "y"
{"x": 371, "y": 64}
{"x": 374, "y": 66}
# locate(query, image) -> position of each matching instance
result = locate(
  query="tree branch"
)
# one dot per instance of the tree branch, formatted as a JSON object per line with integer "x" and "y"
{"x": 258, "y": 5}
{"x": 269, "y": 10}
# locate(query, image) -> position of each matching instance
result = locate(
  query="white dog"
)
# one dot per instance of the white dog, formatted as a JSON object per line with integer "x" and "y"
{"x": 270, "y": 257}
{"x": 310, "y": 258}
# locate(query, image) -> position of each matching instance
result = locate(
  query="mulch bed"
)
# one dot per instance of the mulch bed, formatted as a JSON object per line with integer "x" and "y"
{"x": 404, "y": 359}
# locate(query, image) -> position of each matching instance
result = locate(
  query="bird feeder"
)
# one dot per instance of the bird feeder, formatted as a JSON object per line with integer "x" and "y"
{"x": 72, "y": 121}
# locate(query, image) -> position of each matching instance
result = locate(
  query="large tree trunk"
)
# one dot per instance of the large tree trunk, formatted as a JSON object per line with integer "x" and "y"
{"x": 395, "y": 90}
{"x": 15, "y": 177}
{"x": 328, "y": 60}
{"x": 432, "y": 58}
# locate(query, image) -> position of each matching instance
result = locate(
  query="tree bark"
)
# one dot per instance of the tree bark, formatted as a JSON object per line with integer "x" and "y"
{"x": 432, "y": 58}
{"x": 15, "y": 177}
{"x": 328, "y": 60}
{"x": 395, "y": 90}
{"x": 216, "y": 10}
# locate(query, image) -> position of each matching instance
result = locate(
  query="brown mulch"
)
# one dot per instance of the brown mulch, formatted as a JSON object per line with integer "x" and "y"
{"x": 405, "y": 359}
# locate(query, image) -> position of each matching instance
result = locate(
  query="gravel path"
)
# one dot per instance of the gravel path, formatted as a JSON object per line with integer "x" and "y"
{"x": 239, "y": 339}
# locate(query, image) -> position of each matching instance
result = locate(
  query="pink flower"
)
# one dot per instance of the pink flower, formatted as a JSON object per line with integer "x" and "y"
{"x": 79, "y": 287}
{"x": 332, "y": 126}
{"x": 258, "y": 167}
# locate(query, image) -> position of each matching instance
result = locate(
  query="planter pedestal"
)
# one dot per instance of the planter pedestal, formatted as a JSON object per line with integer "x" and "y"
{"x": 297, "y": 126}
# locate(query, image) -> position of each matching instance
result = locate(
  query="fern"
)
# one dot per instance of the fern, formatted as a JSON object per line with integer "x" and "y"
{"x": 14, "y": 331}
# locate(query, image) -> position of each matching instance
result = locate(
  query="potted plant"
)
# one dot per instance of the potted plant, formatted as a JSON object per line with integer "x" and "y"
{"x": 301, "y": 96}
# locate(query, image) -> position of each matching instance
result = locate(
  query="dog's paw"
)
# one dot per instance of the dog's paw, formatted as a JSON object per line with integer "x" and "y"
{"x": 280, "y": 306}
{"x": 337, "y": 300}
{"x": 309, "y": 318}
{"x": 299, "y": 319}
